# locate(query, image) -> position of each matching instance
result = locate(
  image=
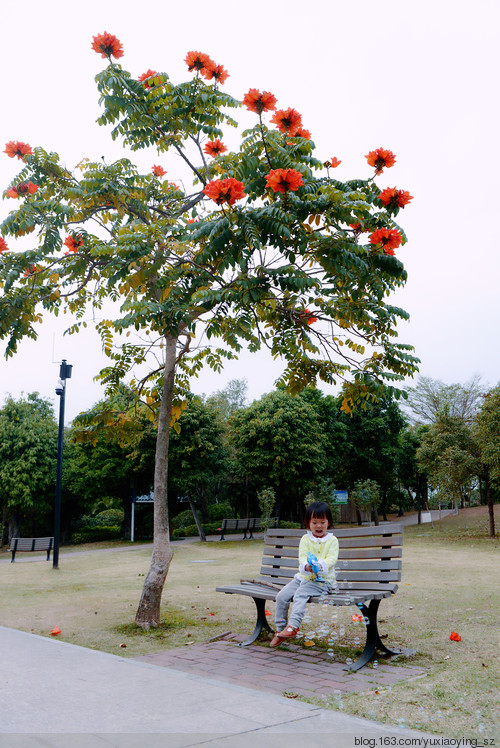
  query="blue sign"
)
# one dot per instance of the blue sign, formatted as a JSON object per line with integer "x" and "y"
{"x": 340, "y": 497}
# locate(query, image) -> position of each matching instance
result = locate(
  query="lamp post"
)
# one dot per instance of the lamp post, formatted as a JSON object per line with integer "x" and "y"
{"x": 64, "y": 374}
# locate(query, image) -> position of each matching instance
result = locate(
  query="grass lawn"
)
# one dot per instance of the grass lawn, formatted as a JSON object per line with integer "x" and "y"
{"x": 450, "y": 583}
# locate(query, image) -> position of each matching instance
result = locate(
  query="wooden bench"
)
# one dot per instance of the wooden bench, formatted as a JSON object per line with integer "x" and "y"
{"x": 25, "y": 545}
{"x": 368, "y": 568}
{"x": 247, "y": 525}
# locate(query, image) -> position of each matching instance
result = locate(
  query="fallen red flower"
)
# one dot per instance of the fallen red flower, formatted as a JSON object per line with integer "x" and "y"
{"x": 455, "y": 637}
{"x": 287, "y": 120}
{"x": 225, "y": 190}
{"x": 390, "y": 239}
{"x": 55, "y": 631}
{"x": 158, "y": 171}
{"x": 259, "y": 102}
{"x": 16, "y": 148}
{"x": 3, "y": 245}
{"x": 215, "y": 147}
{"x": 283, "y": 180}
{"x": 395, "y": 198}
{"x": 107, "y": 45}
{"x": 335, "y": 162}
{"x": 381, "y": 158}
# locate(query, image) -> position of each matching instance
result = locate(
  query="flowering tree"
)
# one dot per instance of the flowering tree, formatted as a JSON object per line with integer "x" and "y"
{"x": 265, "y": 249}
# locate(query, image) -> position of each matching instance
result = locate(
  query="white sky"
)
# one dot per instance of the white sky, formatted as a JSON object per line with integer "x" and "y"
{"x": 419, "y": 78}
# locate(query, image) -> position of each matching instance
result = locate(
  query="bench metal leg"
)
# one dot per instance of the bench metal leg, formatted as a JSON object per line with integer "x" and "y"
{"x": 373, "y": 640}
{"x": 259, "y": 624}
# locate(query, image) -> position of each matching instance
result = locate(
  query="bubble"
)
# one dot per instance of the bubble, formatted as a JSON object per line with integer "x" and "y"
{"x": 345, "y": 564}
{"x": 342, "y": 631}
{"x": 481, "y": 727}
{"x": 348, "y": 662}
{"x": 360, "y": 605}
{"x": 366, "y": 620}
{"x": 299, "y": 635}
{"x": 356, "y": 640}
{"x": 335, "y": 636}
{"x": 375, "y": 664}
{"x": 402, "y": 722}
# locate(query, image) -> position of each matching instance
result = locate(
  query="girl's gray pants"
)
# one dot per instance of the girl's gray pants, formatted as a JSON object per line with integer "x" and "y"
{"x": 299, "y": 592}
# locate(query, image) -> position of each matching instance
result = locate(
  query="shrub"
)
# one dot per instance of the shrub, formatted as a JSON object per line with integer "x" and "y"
{"x": 110, "y": 517}
{"x": 96, "y": 534}
{"x": 218, "y": 512}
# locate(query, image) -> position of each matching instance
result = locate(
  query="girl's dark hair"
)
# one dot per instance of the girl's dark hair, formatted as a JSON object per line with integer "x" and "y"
{"x": 318, "y": 509}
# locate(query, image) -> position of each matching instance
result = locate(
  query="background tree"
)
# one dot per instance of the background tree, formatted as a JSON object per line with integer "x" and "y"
{"x": 275, "y": 258}
{"x": 487, "y": 434}
{"x": 372, "y": 448}
{"x": 278, "y": 443}
{"x": 110, "y": 455}
{"x": 198, "y": 458}
{"x": 431, "y": 396}
{"x": 28, "y": 453}
{"x": 449, "y": 456}
{"x": 411, "y": 478}
{"x": 366, "y": 496}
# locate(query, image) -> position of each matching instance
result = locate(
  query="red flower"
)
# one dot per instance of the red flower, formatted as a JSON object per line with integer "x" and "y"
{"x": 357, "y": 228}
{"x": 287, "y": 120}
{"x": 22, "y": 189}
{"x": 3, "y": 245}
{"x": 16, "y": 148}
{"x": 107, "y": 45}
{"x": 310, "y": 318}
{"x": 259, "y": 102}
{"x": 31, "y": 270}
{"x": 225, "y": 190}
{"x": 282, "y": 180}
{"x": 390, "y": 239}
{"x": 380, "y": 159}
{"x": 144, "y": 78}
{"x": 198, "y": 61}
{"x": 217, "y": 72}
{"x": 455, "y": 637}
{"x": 215, "y": 147}
{"x": 395, "y": 198}
{"x": 73, "y": 243}
{"x": 335, "y": 162}
{"x": 158, "y": 171}
{"x": 301, "y": 133}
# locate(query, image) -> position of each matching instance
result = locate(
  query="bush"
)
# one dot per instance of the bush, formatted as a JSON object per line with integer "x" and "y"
{"x": 110, "y": 517}
{"x": 182, "y": 520}
{"x": 191, "y": 531}
{"x": 290, "y": 525}
{"x": 96, "y": 534}
{"x": 218, "y": 512}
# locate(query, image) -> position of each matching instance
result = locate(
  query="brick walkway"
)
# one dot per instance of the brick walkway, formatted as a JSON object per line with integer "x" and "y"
{"x": 305, "y": 672}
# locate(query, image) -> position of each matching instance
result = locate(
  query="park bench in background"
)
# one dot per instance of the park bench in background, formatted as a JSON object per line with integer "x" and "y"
{"x": 247, "y": 526}
{"x": 24, "y": 545}
{"x": 368, "y": 568}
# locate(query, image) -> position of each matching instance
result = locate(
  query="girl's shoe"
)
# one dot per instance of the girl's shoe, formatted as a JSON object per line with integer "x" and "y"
{"x": 275, "y": 640}
{"x": 290, "y": 632}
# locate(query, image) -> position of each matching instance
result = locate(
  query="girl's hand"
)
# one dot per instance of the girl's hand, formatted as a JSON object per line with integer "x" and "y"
{"x": 307, "y": 567}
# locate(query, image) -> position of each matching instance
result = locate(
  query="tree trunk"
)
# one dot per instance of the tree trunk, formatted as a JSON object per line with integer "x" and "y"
{"x": 489, "y": 501}
{"x": 148, "y": 612}
{"x": 196, "y": 519}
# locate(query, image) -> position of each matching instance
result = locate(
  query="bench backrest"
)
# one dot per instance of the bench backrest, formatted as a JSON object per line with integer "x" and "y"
{"x": 369, "y": 557}
{"x": 31, "y": 544}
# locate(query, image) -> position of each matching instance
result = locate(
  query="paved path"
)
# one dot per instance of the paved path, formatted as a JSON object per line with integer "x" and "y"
{"x": 297, "y": 671}
{"x": 58, "y": 694}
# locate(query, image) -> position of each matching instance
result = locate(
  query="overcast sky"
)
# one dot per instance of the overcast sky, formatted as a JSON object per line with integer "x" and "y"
{"x": 419, "y": 78}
